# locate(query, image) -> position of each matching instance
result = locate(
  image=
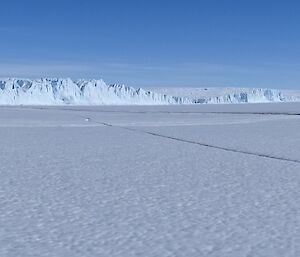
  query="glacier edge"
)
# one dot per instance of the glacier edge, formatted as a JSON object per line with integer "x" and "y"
{"x": 59, "y": 91}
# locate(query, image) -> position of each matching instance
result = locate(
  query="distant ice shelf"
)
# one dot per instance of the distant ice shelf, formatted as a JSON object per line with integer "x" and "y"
{"x": 232, "y": 95}
{"x": 48, "y": 91}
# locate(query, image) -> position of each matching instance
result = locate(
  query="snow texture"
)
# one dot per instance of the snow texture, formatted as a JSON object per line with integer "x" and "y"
{"x": 47, "y": 91}
{"x": 180, "y": 180}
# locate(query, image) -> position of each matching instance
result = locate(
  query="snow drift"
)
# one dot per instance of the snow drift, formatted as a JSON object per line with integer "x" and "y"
{"x": 47, "y": 91}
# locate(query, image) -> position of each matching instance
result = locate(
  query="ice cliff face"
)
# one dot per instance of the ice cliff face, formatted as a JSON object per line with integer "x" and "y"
{"x": 47, "y": 91}
{"x": 232, "y": 95}
{"x": 252, "y": 96}
{"x": 81, "y": 92}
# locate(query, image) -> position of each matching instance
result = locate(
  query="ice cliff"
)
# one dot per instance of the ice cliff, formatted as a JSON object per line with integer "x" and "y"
{"x": 80, "y": 92}
{"x": 48, "y": 91}
{"x": 247, "y": 96}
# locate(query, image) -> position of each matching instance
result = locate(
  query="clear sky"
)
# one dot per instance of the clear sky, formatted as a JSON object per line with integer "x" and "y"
{"x": 154, "y": 43}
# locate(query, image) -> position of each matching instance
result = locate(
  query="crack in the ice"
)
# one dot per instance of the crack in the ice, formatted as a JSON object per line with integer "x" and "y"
{"x": 227, "y": 149}
{"x": 63, "y": 108}
{"x": 262, "y": 155}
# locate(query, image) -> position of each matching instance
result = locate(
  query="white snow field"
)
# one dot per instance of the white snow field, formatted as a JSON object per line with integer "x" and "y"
{"x": 47, "y": 91}
{"x": 178, "y": 180}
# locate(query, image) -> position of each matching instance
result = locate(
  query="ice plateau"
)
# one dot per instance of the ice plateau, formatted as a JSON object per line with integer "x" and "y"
{"x": 48, "y": 91}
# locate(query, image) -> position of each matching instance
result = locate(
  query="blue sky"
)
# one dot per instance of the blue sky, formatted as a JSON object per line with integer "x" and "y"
{"x": 154, "y": 43}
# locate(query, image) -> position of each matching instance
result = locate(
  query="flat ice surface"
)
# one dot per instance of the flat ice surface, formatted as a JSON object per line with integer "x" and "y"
{"x": 205, "y": 180}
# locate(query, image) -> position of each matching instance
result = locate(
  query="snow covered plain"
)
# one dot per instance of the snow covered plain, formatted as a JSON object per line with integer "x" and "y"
{"x": 193, "y": 180}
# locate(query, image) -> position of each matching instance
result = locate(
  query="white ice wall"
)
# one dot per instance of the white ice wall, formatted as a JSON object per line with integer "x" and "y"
{"x": 80, "y": 92}
{"x": 47, "y": 91}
